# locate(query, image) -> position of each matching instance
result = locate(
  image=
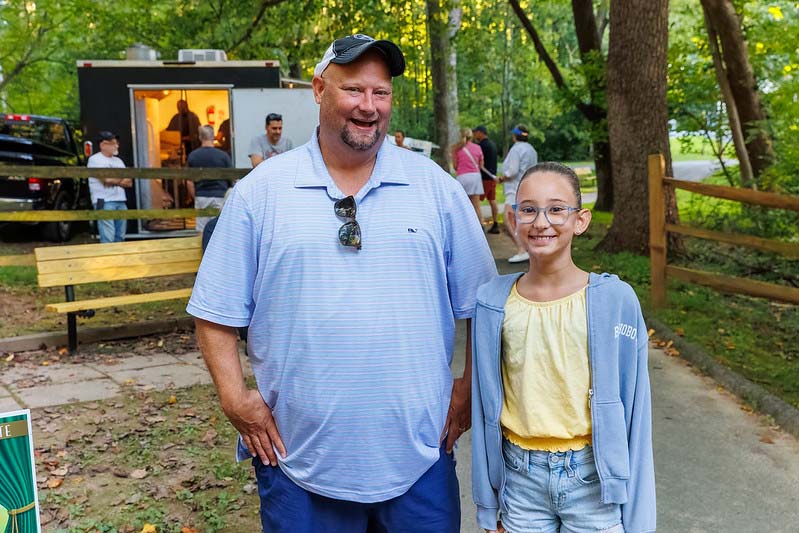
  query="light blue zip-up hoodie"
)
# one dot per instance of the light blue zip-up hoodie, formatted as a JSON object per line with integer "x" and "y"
{"x": 620, "y": 401}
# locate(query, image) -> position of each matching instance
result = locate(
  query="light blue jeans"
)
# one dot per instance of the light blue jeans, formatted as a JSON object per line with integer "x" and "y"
{"x": 112, "y": 230}
{"x": 554, "y": 492}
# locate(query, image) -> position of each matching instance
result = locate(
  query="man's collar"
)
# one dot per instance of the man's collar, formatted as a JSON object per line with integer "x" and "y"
{"x": 388, "y": 167}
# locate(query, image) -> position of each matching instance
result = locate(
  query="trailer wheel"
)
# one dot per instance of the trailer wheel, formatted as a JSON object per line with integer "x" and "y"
{"x": 59, "y": 231}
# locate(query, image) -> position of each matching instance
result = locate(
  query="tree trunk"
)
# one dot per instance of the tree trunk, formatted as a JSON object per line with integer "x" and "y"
{"x": 445, "y": 91}
{"x": 733, "y": 117}
{"x": 590, "y": 43}
{"x": 604, "y": 176}
{"x": 741, "y": 78}
{"x": 637, "y": 116}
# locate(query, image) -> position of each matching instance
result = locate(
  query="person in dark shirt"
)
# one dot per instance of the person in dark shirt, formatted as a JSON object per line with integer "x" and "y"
{"x": 223, "y": 136}
{"x": 186, "y": 122}
{"x": 208, "y": 193}
{"x": 488, "y": 173}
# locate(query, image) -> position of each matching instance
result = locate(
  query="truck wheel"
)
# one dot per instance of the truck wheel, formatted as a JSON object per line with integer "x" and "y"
{"x": 59, "y": 231}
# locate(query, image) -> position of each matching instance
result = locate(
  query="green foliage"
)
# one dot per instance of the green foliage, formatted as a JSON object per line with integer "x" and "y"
{"x": 754, "y": 336}
{"x": 694, "y": 97}
{"x": 736, "y": 217}
{"x": 501, "y": 81}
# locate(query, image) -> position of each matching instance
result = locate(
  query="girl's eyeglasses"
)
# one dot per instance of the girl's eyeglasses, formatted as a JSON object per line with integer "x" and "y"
{"x": 556, "y": 215}
{"x": 349, "y": 234}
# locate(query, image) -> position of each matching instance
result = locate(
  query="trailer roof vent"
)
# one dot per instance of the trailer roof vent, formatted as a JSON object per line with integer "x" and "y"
{"x": 141, "y": 52}
{"x": 202, "y": 55}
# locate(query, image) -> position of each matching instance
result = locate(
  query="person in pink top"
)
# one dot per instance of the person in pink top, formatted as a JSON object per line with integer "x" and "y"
{"x": 467, "y": 158}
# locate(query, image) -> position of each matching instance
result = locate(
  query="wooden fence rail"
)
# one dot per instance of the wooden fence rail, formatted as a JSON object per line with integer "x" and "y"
{"x": 54, "y": 172}
{"x": 659, "y": 229}
{"x": 192, "y": 174}
{"x": 129, "y": 214}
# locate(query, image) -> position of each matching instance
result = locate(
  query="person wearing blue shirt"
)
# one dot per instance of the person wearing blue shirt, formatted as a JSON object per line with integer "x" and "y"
{"x": 350, "y": 260}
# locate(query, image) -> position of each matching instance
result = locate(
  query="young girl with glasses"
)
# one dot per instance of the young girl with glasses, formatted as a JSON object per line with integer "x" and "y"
{"x": 561, "y": 408}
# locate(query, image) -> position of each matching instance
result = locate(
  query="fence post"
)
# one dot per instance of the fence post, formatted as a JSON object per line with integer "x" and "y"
{"x": 657, "y": 229}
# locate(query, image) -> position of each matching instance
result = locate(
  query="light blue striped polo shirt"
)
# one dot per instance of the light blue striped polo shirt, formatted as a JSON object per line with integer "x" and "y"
{"x": 350, "y": 348}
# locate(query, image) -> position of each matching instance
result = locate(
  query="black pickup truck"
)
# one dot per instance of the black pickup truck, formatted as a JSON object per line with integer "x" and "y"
{"x": 41, "y": 141}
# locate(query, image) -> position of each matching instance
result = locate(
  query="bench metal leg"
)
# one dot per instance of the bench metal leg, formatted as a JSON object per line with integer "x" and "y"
{"x": 72, "y": 332}
{"x": 72, "y": 321}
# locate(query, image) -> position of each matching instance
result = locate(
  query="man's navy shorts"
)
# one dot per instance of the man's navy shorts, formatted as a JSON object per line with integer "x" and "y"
{"x": 432, "y": 504}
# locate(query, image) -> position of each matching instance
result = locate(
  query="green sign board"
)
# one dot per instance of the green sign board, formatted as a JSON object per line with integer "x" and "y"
{"x": 19, "y": 505}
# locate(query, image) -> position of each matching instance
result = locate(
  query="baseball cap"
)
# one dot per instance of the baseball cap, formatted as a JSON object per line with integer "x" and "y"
{"x": 481, "y": 128}
{"x": 348, "y": 49}
{"x": 106, "y": 135}
{"x": 520, "y": 130}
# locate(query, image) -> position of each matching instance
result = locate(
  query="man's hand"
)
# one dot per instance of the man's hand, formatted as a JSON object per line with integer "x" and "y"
{"x": 459, "y": 415}
{"x": 253, "y": 420}
{"x": 499, "y": 529}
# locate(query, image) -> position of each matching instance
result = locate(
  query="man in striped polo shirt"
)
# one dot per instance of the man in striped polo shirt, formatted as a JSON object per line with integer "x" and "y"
{"x": 350, "y": 260}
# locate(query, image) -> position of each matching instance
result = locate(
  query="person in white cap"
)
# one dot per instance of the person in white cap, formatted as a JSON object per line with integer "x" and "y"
{"x": 350, "y": 260}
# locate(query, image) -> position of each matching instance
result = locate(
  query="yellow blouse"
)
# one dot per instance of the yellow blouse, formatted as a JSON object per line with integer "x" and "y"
{"x": 546, "y": 373}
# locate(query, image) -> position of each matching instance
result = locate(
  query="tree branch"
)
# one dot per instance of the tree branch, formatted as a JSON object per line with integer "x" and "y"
{"x": 248, "y": 33}
{"x": 23, "y": 63}
{"x": 590, "y": 111}
{"x": 539, "y": 46}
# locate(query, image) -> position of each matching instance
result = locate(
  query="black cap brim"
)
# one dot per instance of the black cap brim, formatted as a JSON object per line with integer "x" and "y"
{"x": 107, "y": 136}
{"x": 394, "y": 58}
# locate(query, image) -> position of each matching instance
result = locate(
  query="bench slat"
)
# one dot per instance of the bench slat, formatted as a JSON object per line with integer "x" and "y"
{"x": 17, "y": 260}
{"x": 94, "y": 264}
{"x": 118, "y": 273}
{"x": 54, "y": 253}
{"x": 99, "y": 303}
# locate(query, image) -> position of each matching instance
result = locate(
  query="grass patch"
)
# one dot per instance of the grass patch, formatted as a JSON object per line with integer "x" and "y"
{"x": 18, "y": 276}
{"x": 24, "y": 302}
{"x": 691, "y": 148}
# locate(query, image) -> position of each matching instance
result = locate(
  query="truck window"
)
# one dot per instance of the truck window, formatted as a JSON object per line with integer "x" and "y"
{"x": 43, "y": 132}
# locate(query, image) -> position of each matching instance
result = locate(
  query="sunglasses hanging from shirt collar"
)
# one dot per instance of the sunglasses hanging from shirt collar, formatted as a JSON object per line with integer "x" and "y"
{"x": 349, "y": 234}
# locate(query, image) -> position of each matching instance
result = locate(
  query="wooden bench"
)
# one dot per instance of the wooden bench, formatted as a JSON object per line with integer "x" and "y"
{"x": 91, "y": 263}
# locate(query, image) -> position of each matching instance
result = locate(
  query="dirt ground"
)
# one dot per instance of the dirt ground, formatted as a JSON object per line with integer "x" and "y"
{"x": 146, "y": 458}
{"x": 163, "y": 458}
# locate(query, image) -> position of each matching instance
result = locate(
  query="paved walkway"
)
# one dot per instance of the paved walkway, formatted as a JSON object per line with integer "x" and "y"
{"x": 719, "y": 466}
{"x": 32, "y": 385}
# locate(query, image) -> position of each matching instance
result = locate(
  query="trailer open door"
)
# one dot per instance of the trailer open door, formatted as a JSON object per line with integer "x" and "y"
{"x": 163, "y": 138}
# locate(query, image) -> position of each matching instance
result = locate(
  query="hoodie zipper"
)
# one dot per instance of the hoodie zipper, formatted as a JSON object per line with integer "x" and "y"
{"x": 594, "y": 436}
{"x": 498, "y": 368}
